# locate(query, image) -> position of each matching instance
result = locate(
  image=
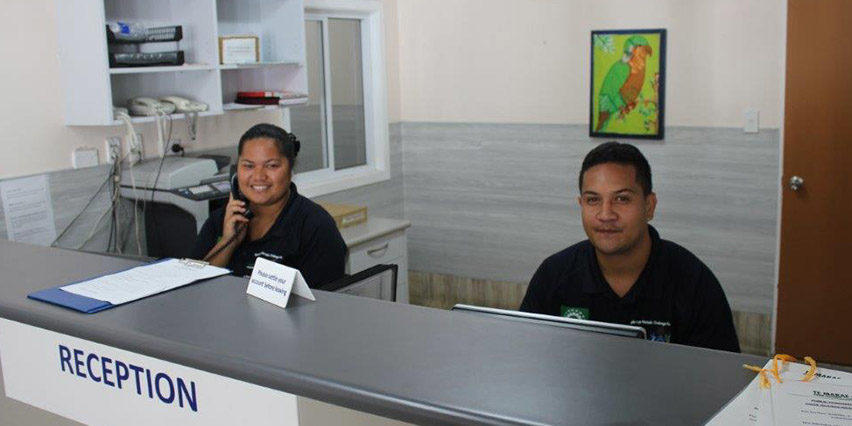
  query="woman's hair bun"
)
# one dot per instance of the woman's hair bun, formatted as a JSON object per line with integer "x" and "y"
{"x": 296, "y": 144}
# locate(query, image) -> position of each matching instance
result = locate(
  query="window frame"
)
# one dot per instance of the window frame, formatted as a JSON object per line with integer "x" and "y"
{"x": 377, "y": 169}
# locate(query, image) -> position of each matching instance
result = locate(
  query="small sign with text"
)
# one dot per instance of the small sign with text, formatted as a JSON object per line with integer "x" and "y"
{"x": 273, "y": 282}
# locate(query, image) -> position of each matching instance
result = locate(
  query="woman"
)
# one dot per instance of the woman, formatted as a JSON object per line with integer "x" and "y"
{"x": 274, "y": 222}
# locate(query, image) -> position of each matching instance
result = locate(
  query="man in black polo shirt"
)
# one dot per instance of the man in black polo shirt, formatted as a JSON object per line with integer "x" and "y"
{"x": 624, "y": 273}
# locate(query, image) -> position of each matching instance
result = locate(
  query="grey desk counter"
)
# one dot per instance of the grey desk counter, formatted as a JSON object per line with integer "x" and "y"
{"x": 405, "y": 362}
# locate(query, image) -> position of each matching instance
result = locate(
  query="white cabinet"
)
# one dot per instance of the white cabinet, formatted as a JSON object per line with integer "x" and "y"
{"x": 91, "y": 87}
{"x": 379, "y": 241}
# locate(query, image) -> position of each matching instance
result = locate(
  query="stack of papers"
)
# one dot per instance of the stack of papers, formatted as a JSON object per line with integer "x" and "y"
{"x": 106, "y": 291}
{"x": 825, "y": 400}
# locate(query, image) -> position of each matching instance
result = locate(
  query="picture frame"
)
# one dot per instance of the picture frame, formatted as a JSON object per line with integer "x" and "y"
{"x": 627, "y": 90}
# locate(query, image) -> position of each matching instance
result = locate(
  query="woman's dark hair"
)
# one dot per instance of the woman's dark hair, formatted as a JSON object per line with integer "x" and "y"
{"x": 286, "y": 143}
{"x": 619, "y": 153}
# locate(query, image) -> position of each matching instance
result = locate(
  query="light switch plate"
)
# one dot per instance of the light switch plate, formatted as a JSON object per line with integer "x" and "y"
{"x": 752, "y": 120}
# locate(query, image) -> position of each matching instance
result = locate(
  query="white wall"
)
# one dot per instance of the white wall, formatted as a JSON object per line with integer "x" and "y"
{"x": 452, "y": 61}
{"x": 33, "y": 138}
{"x": 527, "y": 61}
{"x": 392, "y": 48}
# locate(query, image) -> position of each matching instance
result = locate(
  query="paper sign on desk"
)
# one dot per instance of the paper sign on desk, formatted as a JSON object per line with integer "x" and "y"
{"x": 827, "y": 399}
{"x": 273, "y": 282}
{"x": 28, "y": 210}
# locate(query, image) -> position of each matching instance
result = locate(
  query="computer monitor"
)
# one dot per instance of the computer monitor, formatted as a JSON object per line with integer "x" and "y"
{"x": 377, "y": 282}
{"x": 577, "y": 324}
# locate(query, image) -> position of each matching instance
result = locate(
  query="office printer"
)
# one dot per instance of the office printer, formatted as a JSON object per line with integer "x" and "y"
{"x": 186, "y": 190}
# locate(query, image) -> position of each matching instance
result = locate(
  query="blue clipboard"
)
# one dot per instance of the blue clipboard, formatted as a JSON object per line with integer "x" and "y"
{"x": 65, "y": 299}
{"x": 59, "y": 297}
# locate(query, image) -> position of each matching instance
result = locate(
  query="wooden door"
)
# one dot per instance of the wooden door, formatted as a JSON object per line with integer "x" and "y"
{"x": 815, "y": 277}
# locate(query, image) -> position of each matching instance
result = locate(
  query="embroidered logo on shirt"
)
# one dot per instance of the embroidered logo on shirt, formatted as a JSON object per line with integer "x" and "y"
{"x": 658, "y": 331}
{"x": 574, "y": 312}
{"x": 269, "y": 256}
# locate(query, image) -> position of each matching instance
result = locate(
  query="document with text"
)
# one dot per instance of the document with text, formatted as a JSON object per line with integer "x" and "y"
{"x": 143, "y": 281}
{"x": 824, "y": 400}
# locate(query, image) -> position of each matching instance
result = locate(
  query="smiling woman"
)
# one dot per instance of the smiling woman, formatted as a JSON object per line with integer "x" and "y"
{"x": 268, "y": 218}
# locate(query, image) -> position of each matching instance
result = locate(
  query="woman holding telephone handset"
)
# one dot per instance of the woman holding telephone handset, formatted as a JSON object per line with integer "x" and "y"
{"x": 266, "y": 217}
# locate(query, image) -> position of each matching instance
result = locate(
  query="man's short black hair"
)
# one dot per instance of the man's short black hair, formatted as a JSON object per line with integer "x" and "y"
{"x": 619, "y": 153}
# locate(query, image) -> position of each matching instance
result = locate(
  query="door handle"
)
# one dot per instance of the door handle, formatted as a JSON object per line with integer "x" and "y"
{"x": 796, "y": 182}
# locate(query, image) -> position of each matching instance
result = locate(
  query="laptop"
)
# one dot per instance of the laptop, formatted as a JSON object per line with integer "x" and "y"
{"x": 551, "y": 320}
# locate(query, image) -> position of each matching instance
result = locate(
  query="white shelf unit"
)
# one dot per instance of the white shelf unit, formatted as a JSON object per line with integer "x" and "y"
{"x": 92, "y": 88}
{"x": 148, "y": 70}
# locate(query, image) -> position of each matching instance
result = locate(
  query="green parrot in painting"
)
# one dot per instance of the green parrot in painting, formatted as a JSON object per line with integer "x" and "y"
{"x": 623, "y": 82}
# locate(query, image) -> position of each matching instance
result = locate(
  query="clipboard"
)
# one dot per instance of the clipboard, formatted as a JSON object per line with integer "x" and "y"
{"x": 59, "y": 297}
{"x": 89, "y": 305}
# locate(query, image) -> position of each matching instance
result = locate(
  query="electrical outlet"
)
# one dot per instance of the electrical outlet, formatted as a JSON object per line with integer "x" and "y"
{"x": 112, "y": 149}
{"x": 174, "y": 147}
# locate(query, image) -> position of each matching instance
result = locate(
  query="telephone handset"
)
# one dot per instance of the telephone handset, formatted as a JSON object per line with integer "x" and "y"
{"x": 183, "y": 104}
{"x": 149, "y": 106}
{"x": 235, "y": 192}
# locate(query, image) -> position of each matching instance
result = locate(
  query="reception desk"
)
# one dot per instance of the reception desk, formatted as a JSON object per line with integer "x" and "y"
{"x": 397, "y": 361}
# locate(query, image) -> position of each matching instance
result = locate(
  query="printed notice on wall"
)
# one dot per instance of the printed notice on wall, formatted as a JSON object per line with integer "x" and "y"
{"x": 28, "y": 210}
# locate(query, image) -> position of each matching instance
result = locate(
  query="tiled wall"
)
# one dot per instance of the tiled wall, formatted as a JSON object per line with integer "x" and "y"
{"x": 491, "y": 201}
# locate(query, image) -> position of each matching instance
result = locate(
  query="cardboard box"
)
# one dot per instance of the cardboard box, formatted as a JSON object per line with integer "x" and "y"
{"x": 345, "y": 214}
{"x": 242, "y": 49}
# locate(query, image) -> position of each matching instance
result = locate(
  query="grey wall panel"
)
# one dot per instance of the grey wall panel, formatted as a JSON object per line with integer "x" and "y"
{"x": 492, "y": 201}
{"x": 70, "y": 191}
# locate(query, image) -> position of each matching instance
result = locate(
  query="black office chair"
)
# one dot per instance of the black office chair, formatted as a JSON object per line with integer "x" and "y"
{"x": 377, "y": 282}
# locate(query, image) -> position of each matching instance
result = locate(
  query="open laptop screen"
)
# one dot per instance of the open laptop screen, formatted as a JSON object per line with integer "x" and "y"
{"x": 577, "y": 324}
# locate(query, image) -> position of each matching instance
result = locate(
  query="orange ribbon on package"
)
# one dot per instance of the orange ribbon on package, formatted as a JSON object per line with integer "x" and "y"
{"x": 765, "y": 383}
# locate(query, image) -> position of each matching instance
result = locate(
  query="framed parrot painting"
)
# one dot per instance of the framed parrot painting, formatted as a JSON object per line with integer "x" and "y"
{"x": 628, "y": 81}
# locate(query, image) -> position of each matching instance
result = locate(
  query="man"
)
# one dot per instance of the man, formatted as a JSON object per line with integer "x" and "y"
{"x": 624, "y": 273}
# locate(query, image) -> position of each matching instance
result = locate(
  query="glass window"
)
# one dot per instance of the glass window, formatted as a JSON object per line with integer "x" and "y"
{"x": 308, "y": 121}
{"x": 344, "y": 124}
{"x": 347, "y": 93}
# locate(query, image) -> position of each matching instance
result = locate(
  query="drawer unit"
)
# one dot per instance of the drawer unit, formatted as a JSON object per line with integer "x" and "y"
{"x": 379, "y": 241}
{"x": 380, "y": 250}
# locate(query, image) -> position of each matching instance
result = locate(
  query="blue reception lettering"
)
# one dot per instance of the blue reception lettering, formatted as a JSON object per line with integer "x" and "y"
{"x": 150, "y": 390}
{"x": 183, "y": 392}
{"x": 166, "y": 388}
{"x": 119, "y": 375}
{"x": 158, "y": 381}
{"x": 89, "y": 360}
{"x": 78, "y": 363}
{"x": 137, "y": 370}
{"x": 106, "y": 361}
{"x": 64, "y": 358}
